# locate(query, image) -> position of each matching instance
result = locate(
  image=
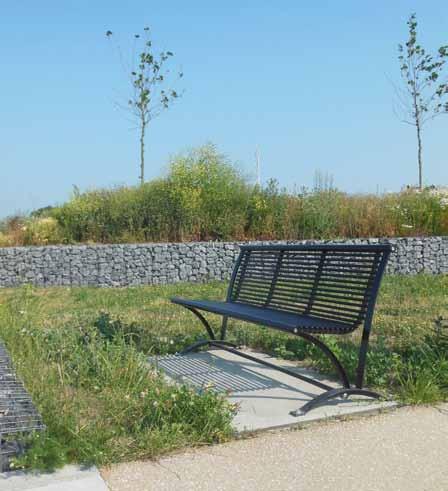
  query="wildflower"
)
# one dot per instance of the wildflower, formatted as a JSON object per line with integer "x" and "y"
{"x": 155, "y": 403}
{"x": 152, "y": 373}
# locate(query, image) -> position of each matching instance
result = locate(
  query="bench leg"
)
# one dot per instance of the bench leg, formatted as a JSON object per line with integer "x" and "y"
{"x": 203, "y": 320}
{"x": 207, "y": 342}
{"x": 332, "y": 394}
{"x": 362, "y": 356}
{"x": 329, "y": 393}
{"x": 223, "y": 328}
{"x": 331, "y": 356}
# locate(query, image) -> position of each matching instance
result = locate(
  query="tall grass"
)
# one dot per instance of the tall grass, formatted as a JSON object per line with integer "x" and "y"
{"x": 91, "y": 382}
{"x": 204, "y": 197}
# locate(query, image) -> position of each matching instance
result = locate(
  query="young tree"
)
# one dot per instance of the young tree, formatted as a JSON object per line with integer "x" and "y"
{"x": 148, "y": 76}
{"x": 424, "y": 94}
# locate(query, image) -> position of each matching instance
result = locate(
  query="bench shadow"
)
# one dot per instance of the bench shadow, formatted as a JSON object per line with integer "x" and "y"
{"x": 235, "y": 378}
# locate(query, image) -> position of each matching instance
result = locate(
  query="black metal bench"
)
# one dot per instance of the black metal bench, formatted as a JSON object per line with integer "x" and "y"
{"x": 304, "y": 290}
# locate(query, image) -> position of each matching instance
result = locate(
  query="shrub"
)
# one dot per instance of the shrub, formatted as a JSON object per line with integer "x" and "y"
{"x": 41, "y": 231}
{"x": 204, "y": 197}
{"x": 193, "y": 202}
{"x": 210, "y": 191}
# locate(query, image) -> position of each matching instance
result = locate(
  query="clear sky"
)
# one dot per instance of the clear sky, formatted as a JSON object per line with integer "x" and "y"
{"x": 306, "y": 82}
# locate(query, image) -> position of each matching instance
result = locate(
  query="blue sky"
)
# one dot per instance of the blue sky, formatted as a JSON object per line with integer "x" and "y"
{"x": 306, "y": 82}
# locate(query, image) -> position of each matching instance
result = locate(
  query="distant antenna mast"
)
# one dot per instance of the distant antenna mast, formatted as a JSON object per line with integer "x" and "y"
{"x": 257, "y": 164}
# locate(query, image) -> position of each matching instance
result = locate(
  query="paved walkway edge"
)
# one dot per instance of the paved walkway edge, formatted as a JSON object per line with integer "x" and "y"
{"x": 69, "y": 478}
{"x": 382, "y": 408}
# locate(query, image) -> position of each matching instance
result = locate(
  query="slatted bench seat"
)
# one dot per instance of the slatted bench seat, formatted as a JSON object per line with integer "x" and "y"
{"x": 304, "y": 290}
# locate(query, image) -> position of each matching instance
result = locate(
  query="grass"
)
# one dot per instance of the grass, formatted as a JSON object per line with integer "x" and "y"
{"x": 81, "y": 353}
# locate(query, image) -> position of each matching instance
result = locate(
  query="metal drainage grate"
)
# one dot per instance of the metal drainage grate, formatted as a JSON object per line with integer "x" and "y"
{"x": 17, "y": 412}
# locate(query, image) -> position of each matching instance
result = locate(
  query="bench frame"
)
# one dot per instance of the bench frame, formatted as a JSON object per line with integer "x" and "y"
{"x": 330, "y": 392}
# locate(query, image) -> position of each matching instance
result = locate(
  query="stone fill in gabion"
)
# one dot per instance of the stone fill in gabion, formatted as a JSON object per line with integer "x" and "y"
{"x": 144, "y": 264}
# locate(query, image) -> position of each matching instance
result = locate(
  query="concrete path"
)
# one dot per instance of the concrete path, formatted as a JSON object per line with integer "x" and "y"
{"x": 403, "y": 450}
{"x": 70, "y": 478}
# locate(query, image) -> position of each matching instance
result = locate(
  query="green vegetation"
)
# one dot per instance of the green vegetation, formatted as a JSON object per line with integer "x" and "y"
{"x": 204, "y": 197}
{"x": 424, "y": 94}
{"x": 89, "y": 379}
{"x": 81, "y": 353}
{"x": 149, "y": 95}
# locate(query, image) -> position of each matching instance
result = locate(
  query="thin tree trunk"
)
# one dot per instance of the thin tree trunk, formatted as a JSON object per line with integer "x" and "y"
{"x": 418, "y": 125}
{"x": 142, "y": 151}
{"x": 420, "y": 157}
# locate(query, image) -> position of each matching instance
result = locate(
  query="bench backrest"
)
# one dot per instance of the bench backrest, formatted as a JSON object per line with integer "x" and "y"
{"x": 334, "y": 282}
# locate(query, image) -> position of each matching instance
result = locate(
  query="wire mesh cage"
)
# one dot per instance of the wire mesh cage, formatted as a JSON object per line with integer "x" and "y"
{"x": 18, "y": 416}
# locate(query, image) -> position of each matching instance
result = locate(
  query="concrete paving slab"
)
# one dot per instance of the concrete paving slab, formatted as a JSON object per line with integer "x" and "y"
{"x": 70, "y": 478}
{"x": 264, "y": 396}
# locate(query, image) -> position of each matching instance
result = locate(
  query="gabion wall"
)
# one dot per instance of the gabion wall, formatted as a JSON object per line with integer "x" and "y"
{"x": 142, "y": 264}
